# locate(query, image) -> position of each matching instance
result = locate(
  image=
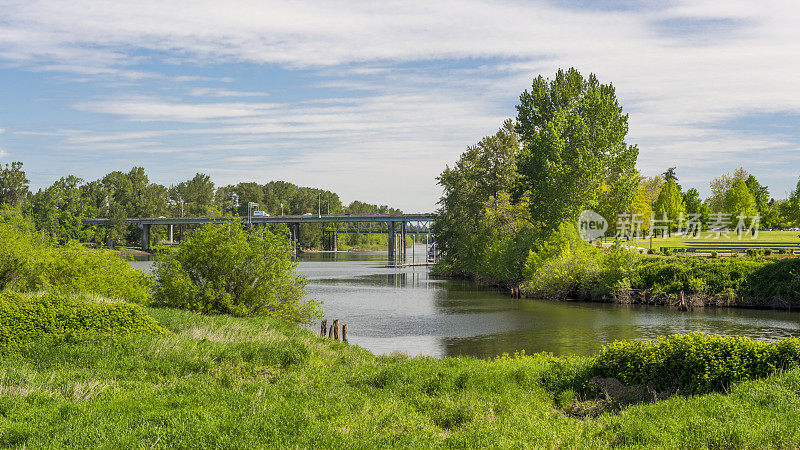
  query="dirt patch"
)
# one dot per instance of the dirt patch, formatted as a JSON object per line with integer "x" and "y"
{"x": 614, "y": 391}
{"x": 612, "y": 396}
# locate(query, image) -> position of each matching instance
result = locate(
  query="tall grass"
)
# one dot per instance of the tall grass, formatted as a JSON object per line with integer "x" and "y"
{"x": 256, "y": 382}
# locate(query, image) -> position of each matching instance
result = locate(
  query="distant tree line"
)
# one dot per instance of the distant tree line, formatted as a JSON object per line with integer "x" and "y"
{"x": 57, "y": 210}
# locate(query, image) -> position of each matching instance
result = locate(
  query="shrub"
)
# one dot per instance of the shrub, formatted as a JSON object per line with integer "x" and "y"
{"x": 754, "y": 252}
{"x": 227, "y": 269}
{"x": 767, "y": 252}
{"x": 781, "y": 251}
{"x": 30, "y": 263}
{"x": 695, "y": 363}
{"x": 62, "y": 317}
{"x": 667, "y": 252}
{"x": 714, "y": 254}
{"x": 774, "y": 279}
{"x": 651, "y": 251}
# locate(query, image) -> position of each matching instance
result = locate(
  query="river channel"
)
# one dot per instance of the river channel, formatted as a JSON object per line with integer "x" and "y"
{"x": 408, "y": 310}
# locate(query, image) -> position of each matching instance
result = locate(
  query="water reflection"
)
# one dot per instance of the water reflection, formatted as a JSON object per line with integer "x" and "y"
{"x": 407, "y": 310}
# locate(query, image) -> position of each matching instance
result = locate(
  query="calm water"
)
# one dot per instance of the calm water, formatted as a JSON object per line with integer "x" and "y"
{"x": 409, "y": 311}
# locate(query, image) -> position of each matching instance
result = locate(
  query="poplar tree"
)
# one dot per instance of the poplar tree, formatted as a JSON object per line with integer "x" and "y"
{"x": 574, "y": 152}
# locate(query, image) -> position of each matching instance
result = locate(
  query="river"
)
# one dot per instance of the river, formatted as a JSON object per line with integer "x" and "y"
{"x": 407, "y": 310}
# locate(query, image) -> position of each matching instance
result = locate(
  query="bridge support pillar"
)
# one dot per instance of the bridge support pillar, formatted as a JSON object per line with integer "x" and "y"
{"x": 146, "y": 237}
{"x": 403, "y": 242}
{"x": 171, "y": 227}
{"x": 392, "y": 239}
{"x": 295, "y": 227}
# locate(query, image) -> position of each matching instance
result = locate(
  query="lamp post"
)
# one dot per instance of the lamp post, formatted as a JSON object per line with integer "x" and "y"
{"x": 319, "y": 205}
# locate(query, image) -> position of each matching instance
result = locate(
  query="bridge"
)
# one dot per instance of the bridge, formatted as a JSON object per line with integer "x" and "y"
{"x": 397, "y": 226}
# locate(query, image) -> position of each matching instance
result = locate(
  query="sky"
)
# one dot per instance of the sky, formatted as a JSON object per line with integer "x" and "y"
{"x": 372, "y": 99}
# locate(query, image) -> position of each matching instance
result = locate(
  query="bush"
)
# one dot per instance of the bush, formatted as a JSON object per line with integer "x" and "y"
{"x": 30, "y": 263}
{"x": 651, "y": 251}
{"x": 754, "y": 252}
{"x": 670, "y": 276}
{"x": 695, "y": 363}
{"x": 226, "y": 269}
{"x": 62, "y": 317}
{"x": 714, "y": 254}
{"x": 767, "y": 252}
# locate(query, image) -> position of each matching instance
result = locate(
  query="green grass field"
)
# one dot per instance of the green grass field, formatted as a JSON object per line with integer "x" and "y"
{"x": 764, "y": 237}
{"x": 223, "y": 382}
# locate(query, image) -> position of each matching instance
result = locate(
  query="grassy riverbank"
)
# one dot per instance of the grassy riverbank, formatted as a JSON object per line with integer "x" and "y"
{"x": 219, "y": 381}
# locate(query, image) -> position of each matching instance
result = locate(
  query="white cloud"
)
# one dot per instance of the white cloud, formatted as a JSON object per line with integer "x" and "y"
{"x": 3, "y": 153}
{"x": 738, "y": 58}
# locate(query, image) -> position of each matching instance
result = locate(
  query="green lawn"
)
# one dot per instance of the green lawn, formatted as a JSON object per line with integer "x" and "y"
{"x": 222, "y": 382}
{"x": 784, "y": 237}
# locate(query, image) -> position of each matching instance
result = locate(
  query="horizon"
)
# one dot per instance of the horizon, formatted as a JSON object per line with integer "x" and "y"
{"x": 372, "y": 101}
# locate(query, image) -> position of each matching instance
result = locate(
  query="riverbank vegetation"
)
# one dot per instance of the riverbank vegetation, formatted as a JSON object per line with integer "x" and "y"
{"x": 510, "y": 206}
{"x": 257, "y": 382}
{"x": 564, "y": 267}
{"x": 228, "y": 269}
{"x": 57, "y": 210}
{"x": 30, "y": 261}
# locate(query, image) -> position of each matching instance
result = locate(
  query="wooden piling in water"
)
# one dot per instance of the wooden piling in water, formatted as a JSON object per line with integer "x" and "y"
{"x": 682, "y": 306}
{"x": 335, "y": 329}
{"x": 344, "y": 334}
{"x": 323, "y": 329}
{"x": 330, "y": 331}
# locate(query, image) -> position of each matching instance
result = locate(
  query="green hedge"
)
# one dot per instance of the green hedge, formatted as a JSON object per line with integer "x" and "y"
{"x": 695, "y": 363}
{"x": 60, "y": 317}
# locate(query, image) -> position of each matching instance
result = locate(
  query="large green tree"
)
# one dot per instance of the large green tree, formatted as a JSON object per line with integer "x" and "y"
{"x": 670, "y": 202}
{"x": 13, "y": 184}
{"x": 59, "y": 208}
{"x": 477, "y": 227}
{"x": 739, "y": 200}
{"x": 574, "y": 152}
{"x": 196, "y": 194}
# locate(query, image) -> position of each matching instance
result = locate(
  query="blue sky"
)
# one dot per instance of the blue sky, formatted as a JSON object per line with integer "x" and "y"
{"x": 372, "y": 99}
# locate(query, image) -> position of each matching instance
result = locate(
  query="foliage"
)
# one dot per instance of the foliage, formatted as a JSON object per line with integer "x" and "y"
{"x": 29, "y": 262}
{"x": 739, "y": 200}
{"x": 58, "y": 210}
{"x": 195, "y": 196}
{"x": 775, "y": 279}
{"x": 228, "y": 269}
{"x": 661, "y": 276}
{"x": 642, "y": 205}
{"x": 49, "y": 317}
{"x": 574, "y": 152}
{"x": 721, "y": 185}
{"x": 669, "y": 203}
{"x": 696, "y": 363}
{"x": 565, "y": 267}
{"x": 479, "y": 229}
{"x": 13, "y": 184}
